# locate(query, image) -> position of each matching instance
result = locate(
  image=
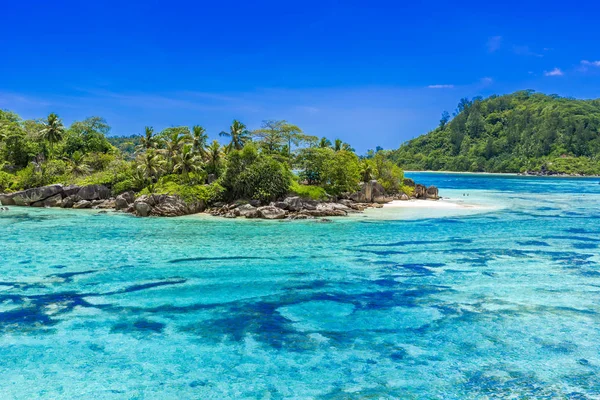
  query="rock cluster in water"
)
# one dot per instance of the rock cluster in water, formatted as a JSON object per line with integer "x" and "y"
{"x": 371, "y": 194}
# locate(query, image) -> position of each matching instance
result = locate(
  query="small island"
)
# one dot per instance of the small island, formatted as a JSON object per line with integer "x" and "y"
{"x": 273, "y": 172}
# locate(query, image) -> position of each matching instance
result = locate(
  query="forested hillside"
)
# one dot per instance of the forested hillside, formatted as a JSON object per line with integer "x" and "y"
{"x": 523, "y": 131}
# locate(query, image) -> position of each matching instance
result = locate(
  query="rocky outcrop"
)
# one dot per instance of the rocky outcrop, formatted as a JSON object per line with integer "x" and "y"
{"x": 248, "y": 211}
{"x": 54, "y": 201}
{"x": 7, "y": 200}
{"x": 420, "y": 191}
{"x": 54, "y": 195}
{"x": 291, "y": 208}
{"x": 94, "y": 192}
{"x": 293, "y": 203}
{"x": 108, "y": 204}
{"x": 70, "y": 190}
{"x": 142, "y": 209}
{"x": 374, "y": 192}
{"x": 163, "y": 205}
{"x": 30, "y": 196}
{"x": 371, "y": 192}
{"x": 82, "y": 204}
{"x": 432, "y": 193}
{"x": 271, "y": 212}
{"x": 124, "y": 200}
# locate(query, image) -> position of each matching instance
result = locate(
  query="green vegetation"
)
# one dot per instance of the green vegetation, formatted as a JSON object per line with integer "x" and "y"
{"x": 252, "y": 165}
{"x": 523, "y": 131}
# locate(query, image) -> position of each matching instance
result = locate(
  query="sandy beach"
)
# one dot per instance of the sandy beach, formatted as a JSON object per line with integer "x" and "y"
{"x": 431, "y": 204}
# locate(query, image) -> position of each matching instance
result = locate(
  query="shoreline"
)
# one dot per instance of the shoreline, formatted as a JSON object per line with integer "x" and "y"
{"x": 432, "y": 205}
{"x": 500, "y": 174}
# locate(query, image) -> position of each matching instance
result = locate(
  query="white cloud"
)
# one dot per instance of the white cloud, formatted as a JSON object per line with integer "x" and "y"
{"x": 590, "y": 63}
{"x": 440, "y": 86}
{"x": 494, "y": 43}
{"x": 525, "y": 51}
{"x": 486, "y": 81}
{"x": 554, "y": 72}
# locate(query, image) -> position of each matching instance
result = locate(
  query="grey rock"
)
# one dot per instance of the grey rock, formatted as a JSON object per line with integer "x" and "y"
{"x": 54, "y": 201}
{"x": 404, "y": 197}
{"x": 94, "y": 192}
{"x": 7, "y": 200}
{"x": 163, "y": 205}
{"x": 70, "y": 190}
{"x": 121, "y": 203}
{"x": 270, "y": 212}
{"x": 30, "y": 196}
{"x": 281, "y": 204}
{"x": 82, "y": 204}
{"x": 69, "y": 202}
{"x": 247, "y": 211}
{"x": 377, "y": 189}
{"x": 293, "y": 203}
{"x": 368, "y": 191}
{"x": 432, "y": 192}
{"x": 382, "y": 199}
{"x": 124, "y": 200}
{"x": 254, "y": 203}
{"x": 105, "y": 204}
{"x": 310, "y": 204}
{"x": 142, "y": 209}
{"x": 420, "y": 191}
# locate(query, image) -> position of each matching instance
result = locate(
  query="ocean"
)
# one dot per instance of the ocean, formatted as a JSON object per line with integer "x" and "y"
{"x": 496, "y": 295}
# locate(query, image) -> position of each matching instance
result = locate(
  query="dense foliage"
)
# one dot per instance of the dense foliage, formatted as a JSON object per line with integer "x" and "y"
{"x": 265, "y": 164}
{"x": 523, "y": 131}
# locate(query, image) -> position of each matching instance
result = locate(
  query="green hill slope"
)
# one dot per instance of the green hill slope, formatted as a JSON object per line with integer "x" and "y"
{"x": 523, "y": 131}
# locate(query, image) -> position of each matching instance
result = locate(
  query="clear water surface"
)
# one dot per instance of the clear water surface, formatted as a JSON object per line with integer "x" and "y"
{"x": 501, "y": 301}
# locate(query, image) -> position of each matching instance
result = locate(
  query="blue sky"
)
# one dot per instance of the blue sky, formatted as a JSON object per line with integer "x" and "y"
{"x": 372, "y": 73}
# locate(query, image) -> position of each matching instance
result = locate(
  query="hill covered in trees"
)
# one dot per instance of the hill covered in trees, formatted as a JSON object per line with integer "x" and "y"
{"x": 523, "y": 131}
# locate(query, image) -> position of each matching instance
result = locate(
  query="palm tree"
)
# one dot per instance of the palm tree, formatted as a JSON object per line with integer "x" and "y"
{"x": 174, "y": 142}
{"x": 366, "y": 170}
{"x": 337, "y": 146}
{"x": 340, "y": 145}
{"x": 148, "y": 141}
{"x": 150, "y": 164}
{"x": 324, "y": 142}
{"x": 214, "y": 154}
{"x": 77, "y": 163}
{"x": 187, "y": 161}
{"x": 199, "y": 140}
{"x": 239, "y": 135}
{"x": 53, "y": 130}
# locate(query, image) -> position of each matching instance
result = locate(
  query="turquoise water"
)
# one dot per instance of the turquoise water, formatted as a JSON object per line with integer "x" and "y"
{"x": 498, "y": 301}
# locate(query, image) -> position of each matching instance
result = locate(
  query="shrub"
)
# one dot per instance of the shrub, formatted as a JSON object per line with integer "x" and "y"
{"x": 190, "y": 193}
{"x": 99, "y": 161}
{"x": 28, "y": 178}
{"x": 6, "y": 181}
{"x": 308, "y": 191}
{"x": 125, "y": 186}
{"x": 265, "y": 180}
{"x": 252, "y": 175}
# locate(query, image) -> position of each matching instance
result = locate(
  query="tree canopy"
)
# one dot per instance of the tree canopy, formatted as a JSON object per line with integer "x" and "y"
{"x": 511, "y": 133}
{"x": 276, "y": 159}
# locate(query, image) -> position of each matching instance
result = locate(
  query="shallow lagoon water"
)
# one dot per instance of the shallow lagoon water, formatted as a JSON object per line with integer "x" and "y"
{"x": 501, "y": 301}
